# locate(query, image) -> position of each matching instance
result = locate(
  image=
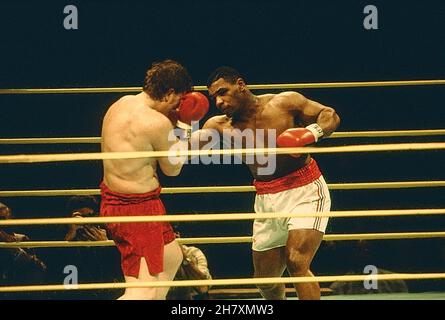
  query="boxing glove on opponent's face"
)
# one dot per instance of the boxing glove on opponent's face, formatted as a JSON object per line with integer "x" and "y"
{"x": 193, "y": 107}
{"x": 299, "y": 137}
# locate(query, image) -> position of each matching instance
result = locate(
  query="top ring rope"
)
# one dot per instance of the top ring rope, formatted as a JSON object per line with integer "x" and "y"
{"x": 354, "y": 84}
{"x": 351, "y": 134}
{"x": 154, "y": 154}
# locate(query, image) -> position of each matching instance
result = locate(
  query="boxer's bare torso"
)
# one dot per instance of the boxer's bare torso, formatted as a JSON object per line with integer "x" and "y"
{"x": 277, "y": 112}
{"x": 270, "y": 113}
{"x": 130, "y": 124}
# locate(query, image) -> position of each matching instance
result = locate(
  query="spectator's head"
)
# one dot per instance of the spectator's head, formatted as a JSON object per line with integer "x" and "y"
{"x": 5, "y": 212}
{"x": 82, "y": 206}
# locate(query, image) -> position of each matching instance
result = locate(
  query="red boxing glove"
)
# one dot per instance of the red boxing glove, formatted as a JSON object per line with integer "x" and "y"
{"x": 299, "y": 137}
{"x": 193, "y": 107}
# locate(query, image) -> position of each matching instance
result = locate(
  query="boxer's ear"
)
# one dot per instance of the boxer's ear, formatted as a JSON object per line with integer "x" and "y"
{"x": 168, "y": 96}
{"x": 241, "y": 84}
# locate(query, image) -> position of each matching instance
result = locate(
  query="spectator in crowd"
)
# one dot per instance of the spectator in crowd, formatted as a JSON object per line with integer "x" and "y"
{"x": 19, "y": 266}
{"x": 81, "y": 207}
{"x": 92, "y": 263}
{"x": 194, "y": 266}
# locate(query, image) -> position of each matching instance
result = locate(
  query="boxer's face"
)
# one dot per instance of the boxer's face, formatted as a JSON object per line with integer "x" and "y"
{"x": 172, "y": 100}
{"x": 228, "y": 96}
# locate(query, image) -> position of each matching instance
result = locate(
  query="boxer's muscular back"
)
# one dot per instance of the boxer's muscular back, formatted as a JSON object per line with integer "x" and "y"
{"x": 130, "y": 125}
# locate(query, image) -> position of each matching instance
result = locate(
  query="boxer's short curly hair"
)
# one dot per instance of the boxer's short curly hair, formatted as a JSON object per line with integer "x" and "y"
{"x": 166, "y": 75}
{"x": 227, "y": 73}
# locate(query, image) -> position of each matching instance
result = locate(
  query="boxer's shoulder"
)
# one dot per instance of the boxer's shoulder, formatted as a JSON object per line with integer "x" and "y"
{"x": 287, "y": 98}
{"x": 121, "y": 107}
{"x": 217, "y": 122}
{"x": 125, "y": 101}
{"x": 153, "y": 123}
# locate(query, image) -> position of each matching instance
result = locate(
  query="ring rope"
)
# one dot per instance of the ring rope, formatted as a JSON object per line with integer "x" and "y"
{"x": 351, "y": 134}
{"x": 224, "y": 217}
{"x": 95, "y": 140}
{"x": 224, "y": 189}
{"x": 353, "y": 84}
{"x": 215, "y": 240}
{"x": 223, "y": 282}
{"x": 28, "y": 158}
{"x": 388, "y": 133}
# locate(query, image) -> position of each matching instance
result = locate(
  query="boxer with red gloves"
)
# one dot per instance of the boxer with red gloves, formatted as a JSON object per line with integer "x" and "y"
{"x": 149, "y": 251}
{"x": 296, "y": 185}
{"x": 192, "y": 108}
{"x": 300, "y": 137}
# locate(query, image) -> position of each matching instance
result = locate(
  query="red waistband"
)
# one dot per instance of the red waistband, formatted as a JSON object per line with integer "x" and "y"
{"x": 298, "y": 178}
{"x": 115, "y": 198}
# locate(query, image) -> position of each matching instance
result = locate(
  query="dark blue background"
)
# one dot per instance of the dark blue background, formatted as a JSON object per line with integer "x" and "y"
{"x": 269, "y": 42}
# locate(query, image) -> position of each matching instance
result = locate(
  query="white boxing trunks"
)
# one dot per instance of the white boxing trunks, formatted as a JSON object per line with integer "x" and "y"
{"x": 304, "y": 191}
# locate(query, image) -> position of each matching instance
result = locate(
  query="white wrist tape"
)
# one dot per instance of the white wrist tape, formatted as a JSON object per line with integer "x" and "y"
{"x": 186, "y": 127}
{"x": 183, "y": 125}
{"x": 316, "y": 130}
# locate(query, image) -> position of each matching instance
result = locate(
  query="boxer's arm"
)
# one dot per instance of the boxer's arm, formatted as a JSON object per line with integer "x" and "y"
{"x": 309, "y": 112}
{"x": 211, "y": 132}
{"x": 162, "y": 138}
{"x": 214, "y": 123}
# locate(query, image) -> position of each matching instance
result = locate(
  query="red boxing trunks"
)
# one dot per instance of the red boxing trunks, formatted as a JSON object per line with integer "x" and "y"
{"x": 137, "y": 239}
{"x": 301, "y": 177}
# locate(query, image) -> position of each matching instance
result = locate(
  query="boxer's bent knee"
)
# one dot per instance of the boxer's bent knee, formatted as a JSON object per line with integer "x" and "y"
{"x": 298, "y": 263}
